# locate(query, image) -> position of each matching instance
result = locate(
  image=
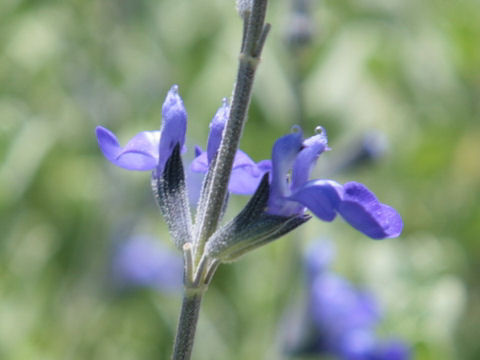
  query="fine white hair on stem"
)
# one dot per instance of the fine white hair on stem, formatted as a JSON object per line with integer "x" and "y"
{"x": 244, "y": 6}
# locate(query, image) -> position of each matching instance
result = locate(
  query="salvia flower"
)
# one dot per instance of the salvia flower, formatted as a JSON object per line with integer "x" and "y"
{"x": 246, "y": 174}
{"x": 174, "y": 127}
{"x": 281, "y": 188}
{"x": 140, "y": 153}
{"x": 367, "y": 149}
{"x": 324, "y": 198}
{"x": 342, "y": 318}
{"x": 280, "y": 202}
{"x": 150, "y": 150}
{"x": 159, "y": 152}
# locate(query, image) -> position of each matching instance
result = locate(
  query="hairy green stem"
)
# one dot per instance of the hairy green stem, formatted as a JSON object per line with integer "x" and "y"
{"x": 255, "y": 33}
{"x": 199, "y": 268}
{"x": 187, "y": 325}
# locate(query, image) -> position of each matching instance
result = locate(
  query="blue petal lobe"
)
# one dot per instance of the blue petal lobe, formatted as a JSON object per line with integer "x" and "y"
{"x": 194, "y": 181}
{"x": 140, "y": 153}
{"x": 246, "y": 174}
{"x": 361, "y": 209}
{"x": 174, "y": 126}
{"x": 302, "y": 167}
{"x": 245, "y": 179}
{"x": 216, "y": 129}
{"x": 284, "y": 153}
{"x": 198, "y": 150}
{"x": 321, "y": 197}
{"x": 200, "y": 163}
{"x": 108, "y": 143}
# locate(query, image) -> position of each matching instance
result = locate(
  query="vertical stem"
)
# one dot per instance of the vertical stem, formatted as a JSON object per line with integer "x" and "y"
{"x": 187, "y": 325}
{"x": 255, "y": 33}
{"x": 254, "y": 38}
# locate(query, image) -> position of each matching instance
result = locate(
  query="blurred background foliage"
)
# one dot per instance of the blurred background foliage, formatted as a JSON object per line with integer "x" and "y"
{"x": 409, "y": 69}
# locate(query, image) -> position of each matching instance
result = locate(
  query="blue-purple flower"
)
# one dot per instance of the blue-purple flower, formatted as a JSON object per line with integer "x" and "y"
{"x": 281, "y": 187}
{"x": 246, "y": 174}
{"x": 342, "y": 319}
{"x": 140, "y": 153}
{"x": 290, "y": 196}
{"x": 150, "y": 150}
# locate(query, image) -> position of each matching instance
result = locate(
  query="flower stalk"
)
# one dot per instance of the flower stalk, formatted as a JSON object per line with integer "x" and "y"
{"x": 254, "y": 36}
{"x": 187, "y": 325}
{"x": 216, "y": 183}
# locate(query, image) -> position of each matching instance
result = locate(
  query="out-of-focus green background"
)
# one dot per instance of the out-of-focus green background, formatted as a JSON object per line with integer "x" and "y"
{"x": 410, "y": 69}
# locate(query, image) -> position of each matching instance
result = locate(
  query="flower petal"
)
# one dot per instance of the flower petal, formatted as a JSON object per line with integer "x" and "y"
{"x": 216, "y": 129}
{"x": 195, "y": 174}
{"x": 243, "y": 160}
{"x": 194, "y": 181}
{"x": 246, "y": 174}
{"x": 284, "y": 152}
{"x": 174, "y": 126}
{"x": 140, "y": 153}
{"x": 361, "y": 209}
{"x": 322, "y": 197}
{"x": 306, "y": 158}
{"x": 244, "y": 180}
{"x": 200, "y": 163}
{"x": 108, "y": 143}
{"x": 198, "y": 150}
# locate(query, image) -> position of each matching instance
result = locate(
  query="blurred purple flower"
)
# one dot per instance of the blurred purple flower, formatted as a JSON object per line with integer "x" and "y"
{"x": 343, "y": 318}
{"x": 369, "y": 148}
{"x": 337, "y": 305}
{"x": 142, "y": 262}
{"x": 324, "y": 198}
{"x": 391, "y": 350}
{"x": 150, "y": 150}
{"x": 325, "y": 252}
